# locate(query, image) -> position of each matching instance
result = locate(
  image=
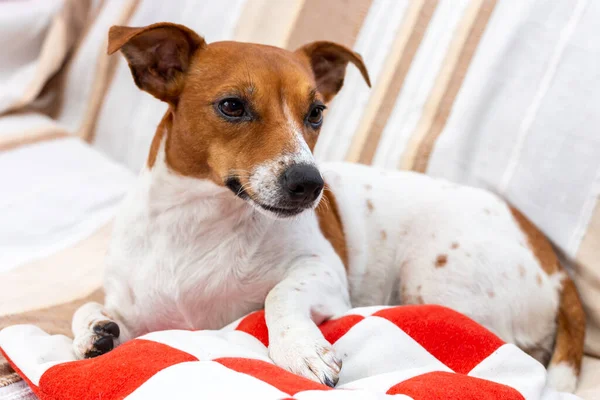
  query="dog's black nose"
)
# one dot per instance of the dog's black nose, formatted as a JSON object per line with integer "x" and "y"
{"x": 302, "y": 183}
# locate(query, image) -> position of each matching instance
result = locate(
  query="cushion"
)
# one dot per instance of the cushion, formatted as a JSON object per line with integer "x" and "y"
{"x": 409, "y": 352}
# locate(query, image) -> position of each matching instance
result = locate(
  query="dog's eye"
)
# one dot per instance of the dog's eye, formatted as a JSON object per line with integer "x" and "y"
{"x": 315, "y": 117}
{"x": 232, "y": 108}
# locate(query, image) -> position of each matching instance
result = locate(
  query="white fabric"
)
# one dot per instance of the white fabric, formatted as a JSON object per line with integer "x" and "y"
{"x": 525, "y": 121}
{"x": 60, "y": 192}
{"x": 418, "y": 83}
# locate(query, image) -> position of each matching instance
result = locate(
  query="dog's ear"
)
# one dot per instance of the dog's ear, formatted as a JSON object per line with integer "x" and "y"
{"x": 328, "y": 62}
{"x": 159, "y": 55}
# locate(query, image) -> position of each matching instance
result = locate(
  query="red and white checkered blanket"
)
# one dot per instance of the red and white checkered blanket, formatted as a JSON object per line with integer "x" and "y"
{"x": 408, "y": 352}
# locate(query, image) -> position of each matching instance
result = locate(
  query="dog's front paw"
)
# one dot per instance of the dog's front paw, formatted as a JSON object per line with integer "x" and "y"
{"x": 99, "y": 339}
{"x": 308, "y": 355}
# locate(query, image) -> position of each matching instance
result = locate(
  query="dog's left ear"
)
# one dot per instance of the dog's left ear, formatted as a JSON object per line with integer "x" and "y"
{"x": 328, "y": 62}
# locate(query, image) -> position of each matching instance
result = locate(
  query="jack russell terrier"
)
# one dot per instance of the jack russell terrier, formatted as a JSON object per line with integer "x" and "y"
{"x": 231, "y": 214}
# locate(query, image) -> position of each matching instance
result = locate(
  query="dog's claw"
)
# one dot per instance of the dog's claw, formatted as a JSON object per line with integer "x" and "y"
{"x": 313, "y": 359}
{"x": 329, "y": 382}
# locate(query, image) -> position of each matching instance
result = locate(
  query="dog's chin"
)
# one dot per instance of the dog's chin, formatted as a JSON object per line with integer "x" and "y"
{"x": 278, "y": 212}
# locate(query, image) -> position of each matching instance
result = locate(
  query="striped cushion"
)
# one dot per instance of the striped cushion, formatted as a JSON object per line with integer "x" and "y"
{"x": 418, "y": 352}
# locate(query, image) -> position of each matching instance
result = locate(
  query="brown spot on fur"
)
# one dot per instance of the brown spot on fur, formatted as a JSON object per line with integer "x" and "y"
{"x": 570, "y": 332}
{"x": 441, "y": 260}
{"x": 370, "y": 205}
{"x": 522, "y": 271}
{"x": 420, "y": 300}
{"x": 538, "y": 279}
{"x": 383, "y": 235}
{"x": 491, "y": 294}
{"x": 330, "y": 223}
{"x": 455, "y": 245}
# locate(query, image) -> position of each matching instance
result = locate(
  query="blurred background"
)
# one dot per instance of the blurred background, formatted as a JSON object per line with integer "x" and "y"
{"x": 501, "y": 94}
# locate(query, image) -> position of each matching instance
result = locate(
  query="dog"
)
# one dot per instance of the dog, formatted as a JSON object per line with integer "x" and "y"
{"x": 232, "y": 214}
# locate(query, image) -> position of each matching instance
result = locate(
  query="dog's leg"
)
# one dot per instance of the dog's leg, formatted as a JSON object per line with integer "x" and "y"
{"x": 307, "y": 296}
{"x": 96, "y": 331}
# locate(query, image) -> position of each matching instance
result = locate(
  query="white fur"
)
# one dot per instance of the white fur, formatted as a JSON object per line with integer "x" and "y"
{"x": 188, "y": 254}
{"x": 562, "y": 377}
{"x": 264, "y": 178}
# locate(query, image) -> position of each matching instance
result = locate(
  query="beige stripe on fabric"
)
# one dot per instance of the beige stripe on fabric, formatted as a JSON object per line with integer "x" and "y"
{"x": 337, "y": 21}
{"x": 69, "y": 274}
{"x": 380, "y": 119}
{"x": 408, "y": 35}
{"x": 587, "y": 277}
{"x": 30, "y": 137}
{"x": 447, "y": 84}
{"x": 106, "y": 67}
{"x": 267, "y": 21}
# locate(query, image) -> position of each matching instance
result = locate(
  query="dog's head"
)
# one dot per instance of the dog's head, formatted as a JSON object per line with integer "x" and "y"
{"x": 246, "y": 116}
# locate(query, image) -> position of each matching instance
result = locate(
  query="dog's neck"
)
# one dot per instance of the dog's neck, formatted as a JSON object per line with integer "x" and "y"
{"x": 208, "y": 203}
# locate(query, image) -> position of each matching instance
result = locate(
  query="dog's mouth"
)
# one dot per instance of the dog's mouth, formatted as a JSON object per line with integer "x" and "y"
{"x": 237, "y": 188}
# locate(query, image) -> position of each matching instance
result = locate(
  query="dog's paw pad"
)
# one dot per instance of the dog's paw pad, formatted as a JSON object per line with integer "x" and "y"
{"x": 101, "y": 346}
{"x": 107, "y": 328}
{"x": 100, "y": 339}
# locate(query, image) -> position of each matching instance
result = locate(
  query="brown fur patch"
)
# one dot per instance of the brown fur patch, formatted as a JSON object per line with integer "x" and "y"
{"x": 491, "y": 294}
{"x": 330, "y": 223}
{"x": 370, "y": 205}
{"x": 455, "y": 245}
{"x": 538, "y": 279}
{"x": 383, "y": 235}
{"x": 441, "y": 260}
{"x": 570, "y": 332}
{"x": 539, "y": 245}
{"x": 163, "y": 126}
